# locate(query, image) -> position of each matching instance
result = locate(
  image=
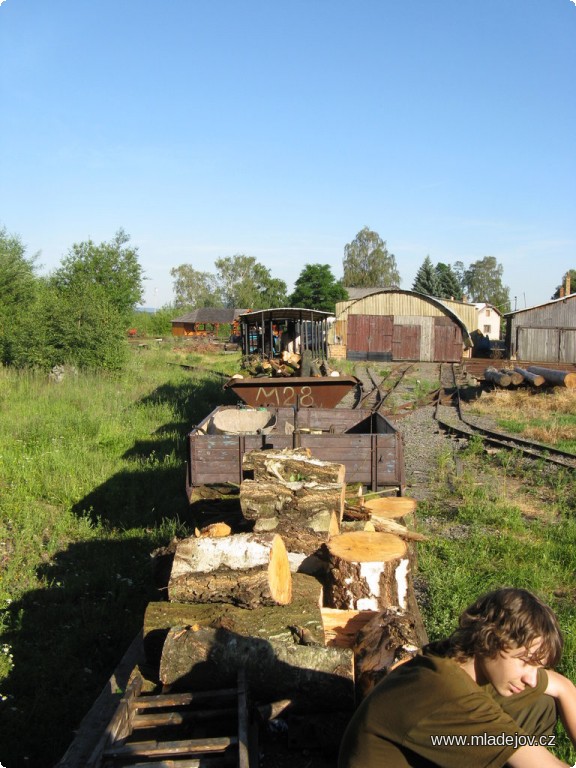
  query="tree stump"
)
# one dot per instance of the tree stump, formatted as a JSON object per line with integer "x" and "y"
{"x": 244, "y": 569}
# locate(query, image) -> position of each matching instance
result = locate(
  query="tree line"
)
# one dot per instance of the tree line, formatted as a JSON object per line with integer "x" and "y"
{"x": 80, "y": 313}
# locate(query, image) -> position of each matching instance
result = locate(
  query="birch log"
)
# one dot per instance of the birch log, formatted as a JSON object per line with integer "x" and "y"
{"x": 366, "y": 571}
{"x": 309, "y": 504}
{"x": 244, "y": 569}
{"x": 290, "y": 465}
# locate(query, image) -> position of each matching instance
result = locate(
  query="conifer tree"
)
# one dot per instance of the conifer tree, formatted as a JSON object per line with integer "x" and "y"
{"x": 426, "y": 280}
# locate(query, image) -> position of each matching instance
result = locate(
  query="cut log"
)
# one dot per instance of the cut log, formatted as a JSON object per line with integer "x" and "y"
{"x": 291, "y": 465}
{"x": 533, "y": 378}
{"x": 516, "y": 378}
{"x": 497, "y": 377}
{"x": 385, "y": 525}
{"x": 244, "y": 569}
{"x": 557, "y": 378}
{"x": 341, "y": 627}
{"x": 366, "y": 571}
{"x": 317, "y": 506}
{"x": 264, "y": 623}
{"x": 214, "y": 531}
{"x": 313, "y": 677}
{"x": 291, "y": 358}
{"x": 391, "y": 506}
{"x": 388, "y": 639}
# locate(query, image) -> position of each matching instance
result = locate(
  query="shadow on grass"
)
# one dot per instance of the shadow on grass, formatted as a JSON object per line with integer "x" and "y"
{"x": 67, "y": 638}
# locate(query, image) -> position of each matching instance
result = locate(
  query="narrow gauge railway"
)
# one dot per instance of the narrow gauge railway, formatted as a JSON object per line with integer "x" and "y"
{"x": 448, "y": 411}
{"x": 379, "y": 387}
{"x": 451, "y": 419}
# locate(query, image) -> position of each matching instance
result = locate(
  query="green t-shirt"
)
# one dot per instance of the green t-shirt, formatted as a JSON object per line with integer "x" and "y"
{"x": 397, "y": 725}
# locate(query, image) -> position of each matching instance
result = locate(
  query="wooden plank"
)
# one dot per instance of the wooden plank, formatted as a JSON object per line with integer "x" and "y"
{"x": 243, "y": 727}
{"x": 154, "y": 748}
{"x": 158, "y": 719}
{"x": 151, "y": 701}
{"x": 90, "y": 730}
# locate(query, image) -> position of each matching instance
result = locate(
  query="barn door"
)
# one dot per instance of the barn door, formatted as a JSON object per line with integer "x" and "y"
{"x": 406, "y": 342}
{"x": 369, "y": 337}
{"x": 447, "y": 341}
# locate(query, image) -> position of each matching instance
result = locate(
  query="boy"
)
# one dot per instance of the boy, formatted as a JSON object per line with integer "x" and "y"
{"x": 482, "y": 698}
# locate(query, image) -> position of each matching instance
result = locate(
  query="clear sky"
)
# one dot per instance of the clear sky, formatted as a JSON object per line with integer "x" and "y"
{"x": 280, "y": 128}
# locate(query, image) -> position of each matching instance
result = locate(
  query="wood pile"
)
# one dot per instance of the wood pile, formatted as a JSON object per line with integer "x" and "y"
{"x": 534, "y": 376}
{"x": 316, "y": 603}
{"x": 286, "y": 365}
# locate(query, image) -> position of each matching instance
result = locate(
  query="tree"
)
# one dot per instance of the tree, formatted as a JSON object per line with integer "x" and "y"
{"x": 114, "y": 266}
{"x": 317, "y": 288}
{"x": 244, "y": 283}
{"x": 18, "y": 285}
{"x": 194, "y": 289}
{"x": 17, "y": 273}
{"x": 448, "y": 284}
{"x": 426, "y": 280}
{"x": 482, "y": 281}
{"x": 572, "y": 274}
{"x": 368, "y": 264}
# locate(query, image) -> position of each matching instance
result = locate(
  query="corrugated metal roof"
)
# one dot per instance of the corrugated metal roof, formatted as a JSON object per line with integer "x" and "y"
{"x": 285, "y": 313}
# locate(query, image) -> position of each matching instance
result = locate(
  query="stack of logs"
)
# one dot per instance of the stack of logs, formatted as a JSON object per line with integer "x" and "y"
{"x": 316, "y": 603}
{"x": 534, "y": 375}
{"x": 288, "y": 364}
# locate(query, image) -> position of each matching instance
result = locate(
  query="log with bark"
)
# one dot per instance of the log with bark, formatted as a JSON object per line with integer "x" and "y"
{"x": 497, "y": 377}
{"x": 244, "y": 569}
{"x": 532, "y": 378}
{"x": 557, "y": 378}
{"x": 313, "y": 677}
{"x": 388, "y": 639}
{"x": 291, "y": 465}
{"x": 516, "y": 378}
{"x": 366, "y": 571}
{"x": 280, "y": 621}
{"x": 312, "y": 505}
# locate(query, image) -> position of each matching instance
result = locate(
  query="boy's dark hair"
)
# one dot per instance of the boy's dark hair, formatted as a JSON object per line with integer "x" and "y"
{"x": 505, "y": 619}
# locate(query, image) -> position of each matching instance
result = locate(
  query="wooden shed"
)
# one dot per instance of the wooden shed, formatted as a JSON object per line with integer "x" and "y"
{"x": 205, "y": 322}
{"x": 544, "y": 333}
{"x": 393, "y": 324}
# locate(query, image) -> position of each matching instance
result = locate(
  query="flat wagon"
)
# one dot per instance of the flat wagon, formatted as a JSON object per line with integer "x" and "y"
{"x": 365, "y": 442}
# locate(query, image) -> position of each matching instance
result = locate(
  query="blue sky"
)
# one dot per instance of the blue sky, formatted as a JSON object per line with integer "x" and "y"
{"x": 280, "y": 128}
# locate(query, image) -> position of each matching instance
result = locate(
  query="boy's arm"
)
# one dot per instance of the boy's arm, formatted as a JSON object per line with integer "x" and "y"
{"x": 564, "y": 691}
{"x": 534, "y": 757}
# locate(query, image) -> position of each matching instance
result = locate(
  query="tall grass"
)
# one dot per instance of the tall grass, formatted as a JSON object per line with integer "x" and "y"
{"x": 92, "y": 479}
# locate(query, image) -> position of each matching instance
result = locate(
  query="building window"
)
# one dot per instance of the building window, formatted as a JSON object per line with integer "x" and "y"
{"x": 487, "y": 328}
{"x": 487, "y": 311}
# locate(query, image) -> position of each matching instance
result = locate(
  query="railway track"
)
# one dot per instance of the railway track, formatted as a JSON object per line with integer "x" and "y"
{"x": 380, "y": 388}
{"x": 451, "y": 419}
{"x": 448, "y": 412}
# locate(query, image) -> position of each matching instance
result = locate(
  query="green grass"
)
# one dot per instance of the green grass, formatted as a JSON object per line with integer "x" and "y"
{"x": 479, "y": 539}
{"x": 92, "y": 480}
